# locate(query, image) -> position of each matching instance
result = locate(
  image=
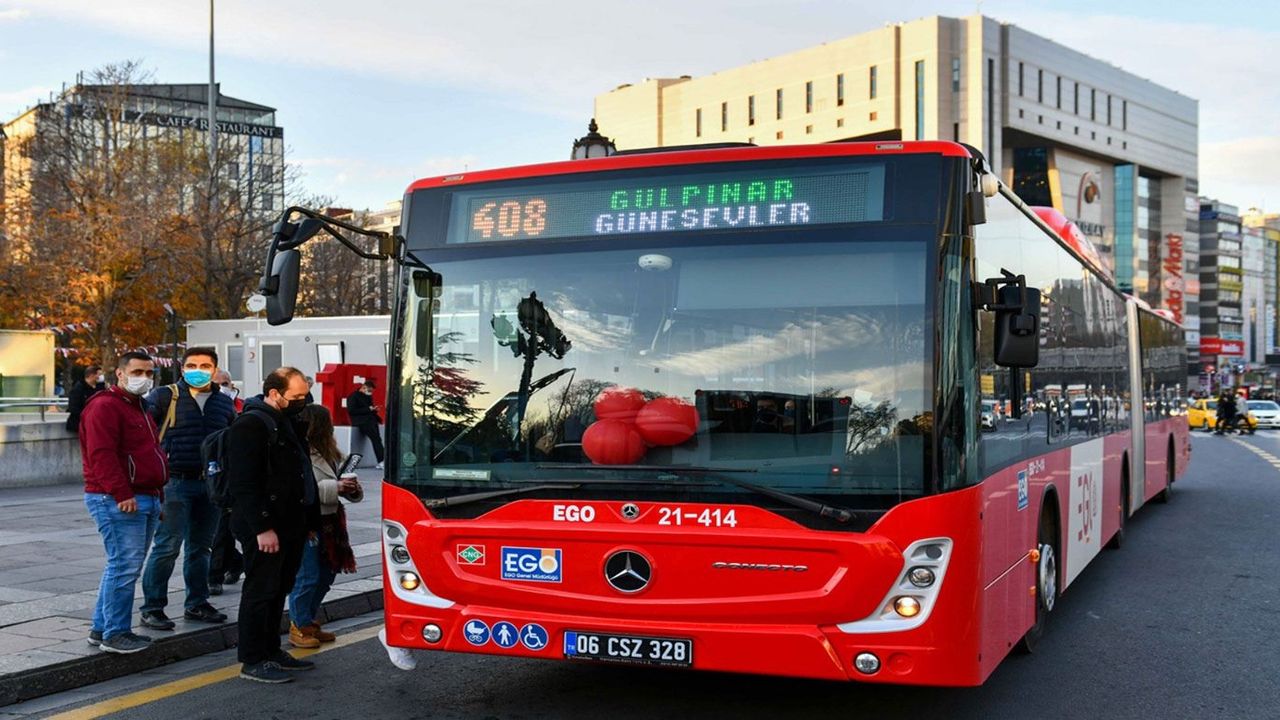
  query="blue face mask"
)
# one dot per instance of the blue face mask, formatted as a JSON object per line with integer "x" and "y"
{"x": 197, "y": 378}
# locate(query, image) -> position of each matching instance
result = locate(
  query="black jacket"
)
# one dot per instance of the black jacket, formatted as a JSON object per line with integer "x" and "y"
{"x": 269, "y": 478}
{"x": 360, "y": 408}
{"x": 191, "y": 423}
{"x": 76, "y": 398}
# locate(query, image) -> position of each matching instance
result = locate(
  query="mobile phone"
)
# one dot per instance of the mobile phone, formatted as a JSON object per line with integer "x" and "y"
{"x": 349, "y": 465}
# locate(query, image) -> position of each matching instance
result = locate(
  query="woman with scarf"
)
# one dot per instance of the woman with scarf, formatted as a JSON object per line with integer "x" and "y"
{"x": 329, "y": 552}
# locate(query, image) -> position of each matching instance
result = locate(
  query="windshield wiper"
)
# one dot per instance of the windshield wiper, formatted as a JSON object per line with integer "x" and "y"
{"x": 456, "y": 500}
{"x": 725, "y": 475}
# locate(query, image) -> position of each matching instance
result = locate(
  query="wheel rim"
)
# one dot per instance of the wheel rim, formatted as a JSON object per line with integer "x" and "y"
{"x": 1048, "y": 579}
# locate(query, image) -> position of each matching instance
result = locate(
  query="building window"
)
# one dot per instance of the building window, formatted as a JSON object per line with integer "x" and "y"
{"x": 724, "y": 116}
{"x": 751, "y": 109}
{"x": 839, "y": 122}
{"x": 1108, "y": 111}
{"x": 872, "y": 116}
{"x": 778, "y": 99}
{"x": 1075, "y": 101}
{"x": 872, "y": 84}
{"x": 839, "y": 89}
{"x": 1059, "y": 125}
{"x": 1093, "y": 104}
{"x": 1124, "y": 114}
{"x": 955, "y": 131}
{"x": 1039, "y": 119}
{"x": 955, "y": 74}
{"x": 991, "y": 106}
{"x": 1059, "y": 103}
{"x": 778, "y": 135}
{"x": 1020, "y": 113}
{"x": 1039, "y": 86}
{"x": 697, "y": 122}
{"x": 808, "y": 97}
{"x": 1093, "y": 135}
{"x": 808, "y": 129}
{"x": 919, "y": 99}
{"x": 1020, "y": 79}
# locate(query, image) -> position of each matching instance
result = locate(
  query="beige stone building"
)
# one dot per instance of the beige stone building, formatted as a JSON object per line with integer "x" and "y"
{"x": 1114, "y": 152}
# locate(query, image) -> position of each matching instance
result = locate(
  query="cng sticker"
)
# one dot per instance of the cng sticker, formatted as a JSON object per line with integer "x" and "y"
{"x": 1024, "y": 494}
{"x": 471, "y": 554}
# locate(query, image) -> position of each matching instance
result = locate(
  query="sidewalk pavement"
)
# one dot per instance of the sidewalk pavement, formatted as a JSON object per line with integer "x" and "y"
{"x": 51, "y": 560}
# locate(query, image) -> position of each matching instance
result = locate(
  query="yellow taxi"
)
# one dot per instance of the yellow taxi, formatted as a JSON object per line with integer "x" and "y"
{"x": 1203, "y": 414}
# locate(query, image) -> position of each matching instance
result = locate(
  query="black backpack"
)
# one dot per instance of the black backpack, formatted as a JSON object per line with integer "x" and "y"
{"x": 213, "y": 454}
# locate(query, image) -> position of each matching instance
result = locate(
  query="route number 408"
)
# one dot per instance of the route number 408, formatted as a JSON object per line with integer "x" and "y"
{"x": 511, "y": 218}
{"x": 707, "y": 518}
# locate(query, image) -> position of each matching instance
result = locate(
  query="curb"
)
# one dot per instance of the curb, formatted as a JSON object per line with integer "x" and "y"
{"x": 31, "y": 684}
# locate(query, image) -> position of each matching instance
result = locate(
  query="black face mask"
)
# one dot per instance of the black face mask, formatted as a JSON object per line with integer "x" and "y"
{"x": 295, "y": 406}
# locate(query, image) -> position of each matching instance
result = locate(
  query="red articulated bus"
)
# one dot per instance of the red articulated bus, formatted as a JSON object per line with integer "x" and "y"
{"x": 722, "y": 409}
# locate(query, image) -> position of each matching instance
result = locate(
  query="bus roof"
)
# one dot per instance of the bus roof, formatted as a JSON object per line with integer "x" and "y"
{"x": 691, "y": 157}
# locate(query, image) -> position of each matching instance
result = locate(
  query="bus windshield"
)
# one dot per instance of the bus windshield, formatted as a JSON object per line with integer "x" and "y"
{"x": 803, "y": 353}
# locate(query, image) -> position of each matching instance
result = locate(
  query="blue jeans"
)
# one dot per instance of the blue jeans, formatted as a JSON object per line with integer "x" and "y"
{"x": 126, "y": 537}
{"x": 190, "y": 520}
{"x": 309, "y": 588}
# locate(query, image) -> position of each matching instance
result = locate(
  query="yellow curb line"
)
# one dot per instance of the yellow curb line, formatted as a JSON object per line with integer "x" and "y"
{"x": 177, "y": 687}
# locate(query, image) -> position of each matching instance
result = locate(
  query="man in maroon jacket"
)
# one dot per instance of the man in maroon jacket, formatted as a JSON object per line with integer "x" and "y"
{"x": 124, "y": 477}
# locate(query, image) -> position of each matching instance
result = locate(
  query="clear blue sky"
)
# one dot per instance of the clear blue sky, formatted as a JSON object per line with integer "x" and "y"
{"x": 375, "y": 94}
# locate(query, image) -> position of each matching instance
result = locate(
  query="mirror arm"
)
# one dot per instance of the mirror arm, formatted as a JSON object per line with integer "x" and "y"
{"x": 987, "y": 292}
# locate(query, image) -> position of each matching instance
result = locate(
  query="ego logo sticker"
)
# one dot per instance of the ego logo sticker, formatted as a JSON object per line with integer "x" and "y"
{"x": 531, "y": 564}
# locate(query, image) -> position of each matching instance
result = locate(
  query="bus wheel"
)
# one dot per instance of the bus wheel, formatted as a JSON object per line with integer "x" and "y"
{"x": 1169, "y": 475}
{"x": 1046, "y": 580}
{"x": 1117, "y": 541}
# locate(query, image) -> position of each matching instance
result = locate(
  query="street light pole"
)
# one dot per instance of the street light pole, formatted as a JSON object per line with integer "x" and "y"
{"x": 213, "y": 99}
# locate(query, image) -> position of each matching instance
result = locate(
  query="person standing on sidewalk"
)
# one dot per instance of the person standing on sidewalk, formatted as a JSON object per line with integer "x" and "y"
{"x": 273, "y": 508}
{"x": 187, "y": 412}
{"x": 91, "y": 383}
{"x": 328, "y": 552}
{"x": 364, "y": 416}
{"x": 225, "y": 561}
{"x": 124, "y": 477}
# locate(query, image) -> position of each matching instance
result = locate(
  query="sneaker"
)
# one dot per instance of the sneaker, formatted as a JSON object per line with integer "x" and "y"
{"x": 378, "y": 466}
{"x": 157, "y": 620}
{"x": 303, "y": 637}
{"x": 265, "y": 672}
{"x": 95, "y": 638}
{"x": 289, "y": 662}
{"x": 320, "y": 633}
{"x": 215, "y": 588}
{"x": 125, "y": 643}
{"x": 400, "y": 657}
{"x": 204, "y": 613}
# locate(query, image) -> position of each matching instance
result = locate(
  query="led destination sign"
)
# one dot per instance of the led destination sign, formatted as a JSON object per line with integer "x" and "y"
{"x": 690, "y": 202}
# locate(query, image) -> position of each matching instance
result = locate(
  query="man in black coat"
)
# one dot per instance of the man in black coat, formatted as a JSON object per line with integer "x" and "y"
{"x": 364, "y": 416}
{"x": 273, "y": 508}
{"x": 91, "y": 382}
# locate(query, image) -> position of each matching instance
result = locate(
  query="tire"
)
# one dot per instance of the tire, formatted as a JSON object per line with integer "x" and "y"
{"x": 1169, "y": 476}
{"x": 1047, "y": 542}
{"x": 1117, "y": 541}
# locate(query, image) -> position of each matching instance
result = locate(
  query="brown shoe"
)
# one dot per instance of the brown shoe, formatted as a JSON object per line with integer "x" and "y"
{"x": 320, "y": 634}
{"x": 303, "y": 637}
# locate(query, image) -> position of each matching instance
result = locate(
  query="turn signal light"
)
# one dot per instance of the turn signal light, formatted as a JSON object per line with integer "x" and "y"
{"x": 409, "y": 581}
{"x": 906, "y": 606}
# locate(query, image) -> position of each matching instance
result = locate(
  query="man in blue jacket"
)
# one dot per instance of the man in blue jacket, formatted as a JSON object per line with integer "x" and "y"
{"x": 186, "y": 413}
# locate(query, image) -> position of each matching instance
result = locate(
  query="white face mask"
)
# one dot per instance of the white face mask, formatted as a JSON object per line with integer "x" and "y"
{"x": 137, "y": 384}
{"x": 231, "y": 392}
{"x": 100, "y": 379}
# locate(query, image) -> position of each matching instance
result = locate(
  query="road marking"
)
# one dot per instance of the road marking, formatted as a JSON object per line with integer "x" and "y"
{"x": 1275, "y": 461}
{"x": 195, "y": 682}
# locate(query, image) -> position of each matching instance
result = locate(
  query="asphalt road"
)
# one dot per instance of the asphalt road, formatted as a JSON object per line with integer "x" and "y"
{"x": 1183, "y": 622}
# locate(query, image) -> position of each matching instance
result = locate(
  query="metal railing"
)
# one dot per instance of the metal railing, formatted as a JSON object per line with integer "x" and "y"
{"x": 44, "y": 403}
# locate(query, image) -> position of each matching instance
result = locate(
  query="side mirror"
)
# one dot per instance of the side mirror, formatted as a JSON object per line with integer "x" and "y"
{"x": 284, "y": 279}
{"x": 1017, "y": 335}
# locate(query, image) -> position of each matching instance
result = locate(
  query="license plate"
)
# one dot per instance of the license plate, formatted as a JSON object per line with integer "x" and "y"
{"x": 673, "y": 652}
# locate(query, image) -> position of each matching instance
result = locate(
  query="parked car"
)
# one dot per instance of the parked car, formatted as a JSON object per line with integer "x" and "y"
{"x": 1266, "y": 412}
{"x": 1203, "y": 414}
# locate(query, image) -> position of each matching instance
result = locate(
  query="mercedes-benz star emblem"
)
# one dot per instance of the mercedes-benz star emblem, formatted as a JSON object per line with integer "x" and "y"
{"x": 627, "y": 571}
{"x": 631, "y": 511}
